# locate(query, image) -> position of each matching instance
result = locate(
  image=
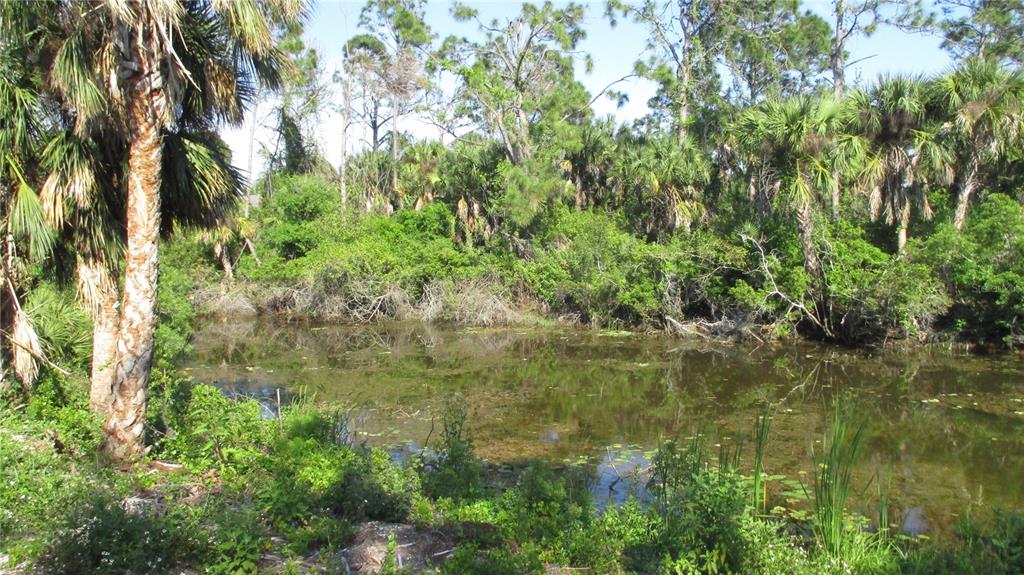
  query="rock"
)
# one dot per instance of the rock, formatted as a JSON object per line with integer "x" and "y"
{"x": 415, "y": 549}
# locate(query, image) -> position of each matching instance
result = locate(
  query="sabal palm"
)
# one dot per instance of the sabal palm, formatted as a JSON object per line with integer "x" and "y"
{"x": 588, "y": 162}
{"x": 790, "y": 145}
{"x": 23, "y": 130}
{"x": 153, "y": 78}
{"x": 984, "y": 106}
{"x": 660, "y": 183}
{"x": 900, "y": 148}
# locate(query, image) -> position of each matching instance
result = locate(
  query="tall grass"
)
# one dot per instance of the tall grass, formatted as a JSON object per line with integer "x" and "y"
{"x": 762, "y": 428}
{"x": 843, "y": 446}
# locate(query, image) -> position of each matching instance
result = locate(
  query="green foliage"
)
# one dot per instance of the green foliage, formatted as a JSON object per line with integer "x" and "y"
{"x": 38, "y": 479}
{"x": 61, "y": 402}
{"x": 983, "y": 268}
{"x": 100, "y": 536}
{"x": 994, "y": 548}
{"x": 469, "y": 560}
{"x": 174, "y": 310}
{"x": 234, "y": 544}
{"x": 703, "y": 512}
{"x": 526, "y": 193}
{"x": 832, "y": 484}
{"x": 63, "y": 326}
{"x": 453, "y": 470}
{"x": 873, "y": 291}
{"x": 543, "y": 506}
{"x": 209, "y": 430}
{"x": 290, "y": 213}
{"x": 586, "y": 263}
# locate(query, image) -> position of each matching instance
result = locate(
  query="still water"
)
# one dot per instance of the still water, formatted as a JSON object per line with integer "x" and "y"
{"x": 945, "y": 431}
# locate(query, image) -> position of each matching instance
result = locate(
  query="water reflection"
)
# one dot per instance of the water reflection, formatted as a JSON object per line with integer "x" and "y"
{"x": 950, "y": 427}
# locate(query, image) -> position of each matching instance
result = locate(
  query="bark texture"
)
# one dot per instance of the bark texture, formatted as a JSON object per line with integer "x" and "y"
{"x": 125, "y": 425}
{"x": 103, "y": 303}
{"x": 839, "y": 52}
{"x": 967, "y": 187}
{"x": 805, "y": 224}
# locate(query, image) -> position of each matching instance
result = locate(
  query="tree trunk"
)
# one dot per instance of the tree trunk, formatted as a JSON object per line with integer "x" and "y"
{"x": 901, "y": 229}
{"x": 966, "y": 189}
{"x": 345, "y": 117}
{"x": 396, "y": 200}
{"x": 220, "y": 250}
{"x": 375, "y": 127}
{"x": 125, "y": 425}
{"x": 101, "y": 291}
{"x": 247, "y": 203}
{"x": 805, "y": 227}
{"x": 684, "y": 108}
{"x": 684, "y": 74}
{"x": 838, "y": 52}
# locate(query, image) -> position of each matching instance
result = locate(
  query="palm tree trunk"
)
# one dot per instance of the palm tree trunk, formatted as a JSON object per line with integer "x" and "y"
{"x": 901, "y": 229}
{"x": 125, "y": 425}
{"x": 103, "y": 295}
{"x": 805, "y": 228}
{"x": 965, "y": 191}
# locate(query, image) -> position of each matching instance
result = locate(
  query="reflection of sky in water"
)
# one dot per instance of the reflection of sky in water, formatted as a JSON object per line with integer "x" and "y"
{"x": 950, "y": 427}
{"x": 621, "y": 473}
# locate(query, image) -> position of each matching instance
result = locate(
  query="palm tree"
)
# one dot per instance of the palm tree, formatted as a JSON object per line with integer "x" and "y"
{"x": 157, "y": 77}
{"x": 900, "y": 147}
{"x": 24, "y": 232}
{"x": 985, "y": 106}
{"x": 790, "y": 145}
{"x": 659, "y": 183}
{"x": 589, "y": 161}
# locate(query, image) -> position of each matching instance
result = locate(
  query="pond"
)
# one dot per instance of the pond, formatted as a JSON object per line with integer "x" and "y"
{"x": 944, "y": 431}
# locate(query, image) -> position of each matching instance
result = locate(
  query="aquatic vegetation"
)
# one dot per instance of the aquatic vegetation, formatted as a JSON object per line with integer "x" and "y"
{"x": 833, "y": 481}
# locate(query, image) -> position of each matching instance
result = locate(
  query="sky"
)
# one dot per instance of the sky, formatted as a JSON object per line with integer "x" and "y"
{"x": 614, "y": 50}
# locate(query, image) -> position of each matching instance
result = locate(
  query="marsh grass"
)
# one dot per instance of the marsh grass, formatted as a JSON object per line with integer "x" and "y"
{"x": 759, "y": 495}
{"x": 843, "y": 443}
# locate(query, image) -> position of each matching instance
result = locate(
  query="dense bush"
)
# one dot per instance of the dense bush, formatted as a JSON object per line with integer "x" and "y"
{"x": 983, "y": 269}
{"x": 585, "y": 263}
{"x": 872, "y": 292}
{"x": 100, "y": 536}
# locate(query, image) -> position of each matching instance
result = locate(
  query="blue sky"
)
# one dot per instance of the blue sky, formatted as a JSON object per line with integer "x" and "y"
{"x": 614, "y": 50}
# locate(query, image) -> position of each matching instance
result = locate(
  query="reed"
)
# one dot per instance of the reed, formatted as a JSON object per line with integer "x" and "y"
{"x": 762, "y": 428}
{"x": 843, "y": 446}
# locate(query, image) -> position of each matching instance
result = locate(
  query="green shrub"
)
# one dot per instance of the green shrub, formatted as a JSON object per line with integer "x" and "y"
{"x": 871, "y": 292}
{"x": 983, "y": 268}
{"x": 175, "y": 313}
{"x": 586, "y": 263}
{"x": 99, "y": 536}
{"x": 63, "y": 325}
{"x": 703, "y": 511}
{"x": 471, "y": 560}
{"x": 290, "y": 214}
{"x": 234, "y": 543}
{"x": 546, "y": 508}
{"x": 60, "y": 402}
{"x": 452, "y": 470}
{"x": 208, "y": 430}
